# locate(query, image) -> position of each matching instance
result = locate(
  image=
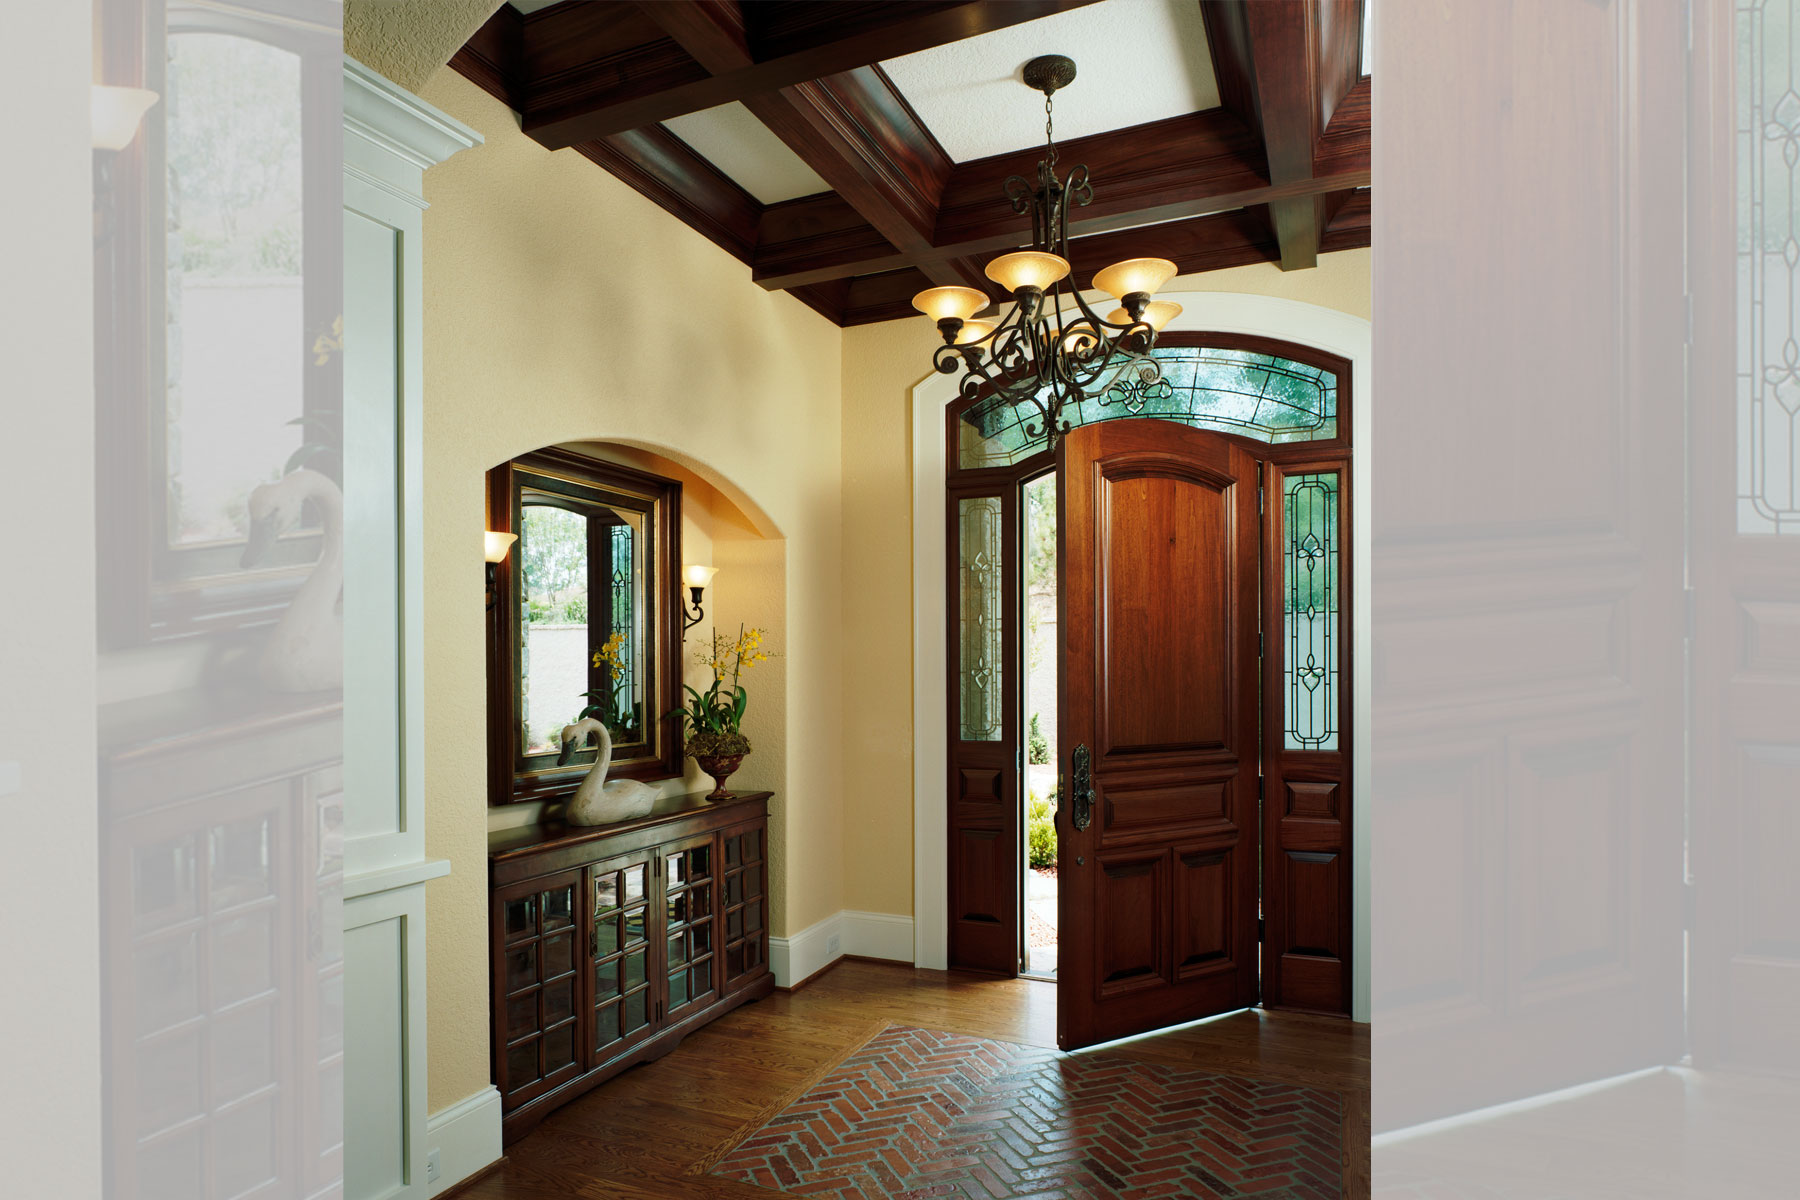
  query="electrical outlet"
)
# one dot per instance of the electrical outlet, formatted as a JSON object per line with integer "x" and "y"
{"x": 431, "y": 1165}
{"x": 834, "y": 946}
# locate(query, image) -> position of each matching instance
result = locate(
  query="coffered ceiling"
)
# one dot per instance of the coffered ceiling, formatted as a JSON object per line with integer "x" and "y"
{"x": 852, "y": 152}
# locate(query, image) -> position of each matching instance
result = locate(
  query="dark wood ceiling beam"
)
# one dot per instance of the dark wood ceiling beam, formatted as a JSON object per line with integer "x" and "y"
{"x": 1167, "y": 170}
{"x": 659, "y": 165}
{"x": 782, "y": 44}
{"x": 853, "y": 128}
{"x": 1284, "y": 66}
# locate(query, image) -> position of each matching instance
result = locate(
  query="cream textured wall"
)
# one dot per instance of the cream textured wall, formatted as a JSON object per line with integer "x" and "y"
{"x": 409, "y": 40}
{"x": 547, "y": 285}
{"x": 881, "y": 365}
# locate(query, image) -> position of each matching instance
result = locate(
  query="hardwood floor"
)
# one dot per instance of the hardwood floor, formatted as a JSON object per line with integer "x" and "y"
{"x": 638, "y": 1135}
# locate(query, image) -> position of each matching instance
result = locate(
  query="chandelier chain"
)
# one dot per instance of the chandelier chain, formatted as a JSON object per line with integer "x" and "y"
{"x": 1050, "y": 130}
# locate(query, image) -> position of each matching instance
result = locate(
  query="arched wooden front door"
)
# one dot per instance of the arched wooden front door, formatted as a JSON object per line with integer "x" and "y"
{"x": 1205, "y": 680}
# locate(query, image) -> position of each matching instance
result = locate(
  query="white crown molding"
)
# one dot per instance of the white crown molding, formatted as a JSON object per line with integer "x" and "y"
{"x": 381, "y": 111}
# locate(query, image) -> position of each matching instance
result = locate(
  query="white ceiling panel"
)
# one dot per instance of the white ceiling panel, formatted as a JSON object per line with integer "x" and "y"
{"x": 1136, "y": 61}
{"x": 733, "y": 140}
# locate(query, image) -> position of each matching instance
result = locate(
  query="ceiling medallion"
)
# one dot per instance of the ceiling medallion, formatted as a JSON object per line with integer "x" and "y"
{"x": 1050, "y": 350}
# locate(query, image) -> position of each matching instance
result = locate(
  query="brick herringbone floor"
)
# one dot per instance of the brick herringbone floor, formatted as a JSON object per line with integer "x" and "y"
{"x": 917, "y": 1113}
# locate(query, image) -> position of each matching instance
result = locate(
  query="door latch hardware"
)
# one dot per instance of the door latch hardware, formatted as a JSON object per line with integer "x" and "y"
{"x": 1083, "y": 796}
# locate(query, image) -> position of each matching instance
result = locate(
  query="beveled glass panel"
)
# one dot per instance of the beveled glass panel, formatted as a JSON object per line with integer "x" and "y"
{"x": 559, "y": 908}
{"x": 552, "y": 554}
{"x": 734, "y": 925}
{"x": 606, "y": 1026}
{"x": 635, "y": 885}
{"x": 678, "y": 989}
{"x": 1310, "y": 610}
{"x": 1768, "y": 269}
{"x": 678, "y": 908}
{"x": 637, "y": 1011}
{"x": 1262, "y": 396}
{"x": 606, "y": 979}
{"x": 734, "y": 888}
{"x": 752, "y": 954}
{"x": 243, "y": 950}
{"x": 676, "y": 870}
{"x": 521, "y": 1015}
{"x": 701, "y": 937}
{"x": 243, "y": 1050}
{"x": 699, "y": 903}
{"x": 753, "y": 846}
{"x": 678, "y": 949}
{"x": 559, "y": 955}
{"x": 606, "y": 935}
{"x": 163, "y": 882}
{"x": 521, "y": 967}
{"x": 559, "y": 1000}
{"x": 238, "y": 858}
{"x": 636, "y": 966}
{"x": 559, "y": 1048}
{"x": 734, "y": 960}
{"x": 606, "y": 892}
{"x": 700, "y": 981}
{"x": 699, "y": 862}
{"x": 733, "y": 851}
{"x": 522, "y": 1064}
{"x": 753, "y": 916}
{"x": 634, "y": 926}
{"x": 521, "y": 917}
{"x": 753, "y": 881}
{"x": 168, "y": 981}
{"x": 980, "y": 535}
{"x": 169, "y": 1075}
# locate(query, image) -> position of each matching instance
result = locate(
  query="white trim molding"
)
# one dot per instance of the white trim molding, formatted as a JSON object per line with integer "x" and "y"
{"x": 465, "y": 1138}
{"x": 859, "y": 934}
{"x": 1202, "y": 312}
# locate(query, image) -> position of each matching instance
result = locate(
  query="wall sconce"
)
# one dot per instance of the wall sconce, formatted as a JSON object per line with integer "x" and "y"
{"x": 499, "y": 545}
{"x": 117, "y": 113}
{"x": 696, "y": 578}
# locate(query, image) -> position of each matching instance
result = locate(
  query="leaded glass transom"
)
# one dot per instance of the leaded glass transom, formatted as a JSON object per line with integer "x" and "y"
{"x": 979, "y": 537}
{"x": 1263, "y": 396}
{"x": 1768, "y": 274}
{"x": 1310, "y": 609}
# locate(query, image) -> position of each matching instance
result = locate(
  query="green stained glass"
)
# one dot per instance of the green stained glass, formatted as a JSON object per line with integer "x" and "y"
{"x": 1310, "y": 609}
{"x": 1263, "y": 396}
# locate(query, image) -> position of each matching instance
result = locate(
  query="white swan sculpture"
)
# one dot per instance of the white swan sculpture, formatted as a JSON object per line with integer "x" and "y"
{"x": 597, "y": 802}
{"x": 305, "y": 653}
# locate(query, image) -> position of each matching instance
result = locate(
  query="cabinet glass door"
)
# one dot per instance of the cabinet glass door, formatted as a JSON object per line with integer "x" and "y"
{"x": 621, "y": 950}
{"x": 538, "y": 978}
{"x": 744, "y": 896}
{"x": 690, "y": 903}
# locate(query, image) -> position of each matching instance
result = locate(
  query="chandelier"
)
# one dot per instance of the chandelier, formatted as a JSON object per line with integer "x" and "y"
{"x": 1050, "y": 350}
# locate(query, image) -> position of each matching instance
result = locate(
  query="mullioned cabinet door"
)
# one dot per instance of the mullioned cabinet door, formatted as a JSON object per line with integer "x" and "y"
{"x": 537, "y": 986}
{"x": 624, "y": 953}
{"x": 744, "y": 883}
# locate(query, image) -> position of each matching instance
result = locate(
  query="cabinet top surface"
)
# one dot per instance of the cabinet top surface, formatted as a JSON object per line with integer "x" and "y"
{"x": 504, "y": 844}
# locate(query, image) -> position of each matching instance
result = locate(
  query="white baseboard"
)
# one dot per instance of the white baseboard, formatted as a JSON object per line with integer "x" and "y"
{"x": 465, "y": 1137}
{"x": 864, "y": 934}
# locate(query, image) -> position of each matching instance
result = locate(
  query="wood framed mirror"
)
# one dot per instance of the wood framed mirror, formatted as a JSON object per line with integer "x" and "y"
{"x": 585, "y": 617}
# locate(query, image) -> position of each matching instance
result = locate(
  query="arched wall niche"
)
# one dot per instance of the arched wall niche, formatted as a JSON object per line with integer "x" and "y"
{"x": 721, "y": 526}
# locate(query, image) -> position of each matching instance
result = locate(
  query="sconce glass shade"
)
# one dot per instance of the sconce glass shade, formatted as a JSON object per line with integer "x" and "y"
{"x": 956, "y": 303}
{"x": 499, "y": 545}
{"x": 1135, "y": 275}
{"x": 1157, "y": 314}
{"x": 116, "y": 114}
{"x": 1027, "y": 268}
{"x": 973, "y": 331}
{"x": 696, "y": 576}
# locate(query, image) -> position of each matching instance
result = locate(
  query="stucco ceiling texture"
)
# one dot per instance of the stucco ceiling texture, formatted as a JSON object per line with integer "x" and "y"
{"x": 733, "y": 140}
{"x": 1136, "y": 60}
{"x": 409, "y": 40}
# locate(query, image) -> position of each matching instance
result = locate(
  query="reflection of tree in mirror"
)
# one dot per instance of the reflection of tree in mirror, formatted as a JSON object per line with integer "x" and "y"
{"x": 553, "y": 551}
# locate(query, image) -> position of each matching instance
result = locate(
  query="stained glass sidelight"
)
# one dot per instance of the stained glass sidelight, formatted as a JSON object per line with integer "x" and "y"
{"x": 1263, "y": 396}
{"x": 1768, "y": 274}
{"x": 979, "y": 526}
{"x": 1310, "y": 609}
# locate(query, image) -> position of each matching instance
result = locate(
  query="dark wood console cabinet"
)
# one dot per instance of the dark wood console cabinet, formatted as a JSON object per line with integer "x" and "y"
{"x": 611, "y": 943}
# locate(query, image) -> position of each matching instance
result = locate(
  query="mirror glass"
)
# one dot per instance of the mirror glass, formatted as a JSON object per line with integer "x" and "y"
{"x": 581, "y": 621}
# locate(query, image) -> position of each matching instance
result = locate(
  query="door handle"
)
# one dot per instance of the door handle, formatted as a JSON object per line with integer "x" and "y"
{"x": 1082, "y": 797}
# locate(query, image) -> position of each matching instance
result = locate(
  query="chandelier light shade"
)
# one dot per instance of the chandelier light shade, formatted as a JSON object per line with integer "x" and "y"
{"x": 1157, "y": 314}
{"x": 950, "y": 303}
{"x": 1135, "y": 276}
{"x": 1028, "y": 270}
{"x": 1049, "y": 349}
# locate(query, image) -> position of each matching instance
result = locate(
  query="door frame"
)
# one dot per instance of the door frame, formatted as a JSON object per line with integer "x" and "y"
{"x": 1335, "y": 332}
